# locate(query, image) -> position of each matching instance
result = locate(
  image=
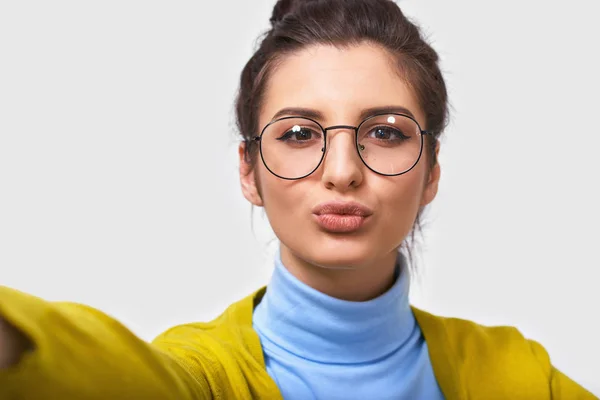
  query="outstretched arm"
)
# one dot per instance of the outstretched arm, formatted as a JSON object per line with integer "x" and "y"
{"x": 67, "y": 350}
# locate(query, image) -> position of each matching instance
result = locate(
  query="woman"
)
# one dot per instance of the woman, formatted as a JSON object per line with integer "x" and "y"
{"x": 340, "y": 110}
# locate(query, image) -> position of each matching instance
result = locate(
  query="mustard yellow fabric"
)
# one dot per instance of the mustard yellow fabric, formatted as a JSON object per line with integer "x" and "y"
{"x": 82, "y": 353}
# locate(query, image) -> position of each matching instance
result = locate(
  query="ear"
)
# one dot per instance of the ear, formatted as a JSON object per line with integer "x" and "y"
{"x": 431, "y": 186}
{"x": 248, "y": 178}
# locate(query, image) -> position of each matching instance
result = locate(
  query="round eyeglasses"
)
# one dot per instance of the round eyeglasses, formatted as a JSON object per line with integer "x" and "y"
{"x": 294, "y": 147}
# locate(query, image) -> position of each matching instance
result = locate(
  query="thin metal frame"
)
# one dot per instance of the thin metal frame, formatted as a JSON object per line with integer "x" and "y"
{"x": 324, "y": 150}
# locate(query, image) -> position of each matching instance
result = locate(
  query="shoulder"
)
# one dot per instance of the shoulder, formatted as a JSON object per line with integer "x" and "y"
{"x": 225, "y": 351}
{"x": 228, "y": 334}
{"x": 488, "y": 339}
{"x": 486, "y": 357}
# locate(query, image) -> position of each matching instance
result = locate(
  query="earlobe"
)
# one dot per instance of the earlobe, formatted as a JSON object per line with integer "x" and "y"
{"x": 248, "y": 178}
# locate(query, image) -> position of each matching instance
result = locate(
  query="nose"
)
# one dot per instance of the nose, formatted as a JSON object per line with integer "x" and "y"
{"x": 342, "y": 168}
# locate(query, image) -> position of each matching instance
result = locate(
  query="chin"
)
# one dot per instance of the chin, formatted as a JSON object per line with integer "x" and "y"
{"x": 341, "y": 252}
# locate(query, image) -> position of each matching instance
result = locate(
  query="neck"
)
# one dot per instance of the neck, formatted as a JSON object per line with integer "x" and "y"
{"x": 360, "y": 282}
{"x": 300, "y": 320}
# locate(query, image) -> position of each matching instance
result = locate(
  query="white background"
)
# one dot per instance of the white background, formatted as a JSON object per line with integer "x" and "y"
{"x": 118, "y": 170}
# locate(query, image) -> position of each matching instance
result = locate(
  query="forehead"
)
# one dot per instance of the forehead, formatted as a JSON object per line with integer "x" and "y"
{"x": 338, "y": 82}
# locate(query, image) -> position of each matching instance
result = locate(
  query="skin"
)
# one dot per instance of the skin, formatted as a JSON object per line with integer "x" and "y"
{"x": 340, "y": 83}
{"x": 13, "y": 344}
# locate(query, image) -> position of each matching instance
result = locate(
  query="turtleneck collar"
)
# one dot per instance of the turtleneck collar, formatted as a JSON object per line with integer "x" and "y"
{"x": 307, "y": 323}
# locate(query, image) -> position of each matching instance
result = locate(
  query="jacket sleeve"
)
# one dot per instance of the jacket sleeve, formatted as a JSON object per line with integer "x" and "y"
{"x": 81, "y": 353}
{"x": 561, "y": 386}
{"x": 564, "y": 387}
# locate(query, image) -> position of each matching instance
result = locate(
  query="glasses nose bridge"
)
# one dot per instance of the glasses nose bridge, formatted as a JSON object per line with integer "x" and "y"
{"x": 335, "y": 127}
{"x": 353, "y": 129}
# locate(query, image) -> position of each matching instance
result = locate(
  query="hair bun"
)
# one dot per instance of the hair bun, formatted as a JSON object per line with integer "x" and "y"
{"x": 285, "y": 7}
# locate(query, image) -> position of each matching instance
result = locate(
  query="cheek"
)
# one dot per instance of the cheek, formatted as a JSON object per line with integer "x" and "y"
{"x": 282, "y": 199}
{"x": 400, "y": 200}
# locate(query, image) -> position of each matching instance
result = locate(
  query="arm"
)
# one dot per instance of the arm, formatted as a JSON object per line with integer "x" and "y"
{"x": 65, "y": 350}
{"x": 561, "y": 386}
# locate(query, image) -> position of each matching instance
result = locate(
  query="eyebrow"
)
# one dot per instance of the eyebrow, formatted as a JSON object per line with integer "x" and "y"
{"x": 317, "y": 115}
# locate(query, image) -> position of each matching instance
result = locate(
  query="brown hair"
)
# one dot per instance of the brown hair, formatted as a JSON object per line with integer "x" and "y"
{"x": 297, "y": 24}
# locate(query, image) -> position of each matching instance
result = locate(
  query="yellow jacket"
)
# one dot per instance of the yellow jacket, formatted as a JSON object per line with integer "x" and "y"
{"x": 83, "y": 354}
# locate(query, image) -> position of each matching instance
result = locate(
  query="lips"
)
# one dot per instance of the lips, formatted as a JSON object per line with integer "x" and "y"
{"x": 341, "y": 217}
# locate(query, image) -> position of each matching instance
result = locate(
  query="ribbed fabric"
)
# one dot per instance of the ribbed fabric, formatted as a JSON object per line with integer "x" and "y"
{"x": 320, "y": 347}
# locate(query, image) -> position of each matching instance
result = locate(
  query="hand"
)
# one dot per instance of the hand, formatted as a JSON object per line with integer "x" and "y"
{"x": 13, "y": 344}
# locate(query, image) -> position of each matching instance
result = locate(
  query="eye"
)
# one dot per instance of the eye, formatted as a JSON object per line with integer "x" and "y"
{"x": 387, "y": 133}
{"x": 299, "y": 134}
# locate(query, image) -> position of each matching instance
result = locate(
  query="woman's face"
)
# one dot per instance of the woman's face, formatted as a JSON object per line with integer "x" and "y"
{"x": 340, "y": 84}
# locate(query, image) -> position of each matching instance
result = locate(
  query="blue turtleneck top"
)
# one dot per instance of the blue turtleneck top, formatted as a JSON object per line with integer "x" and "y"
{"x": 320, "y": 347}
